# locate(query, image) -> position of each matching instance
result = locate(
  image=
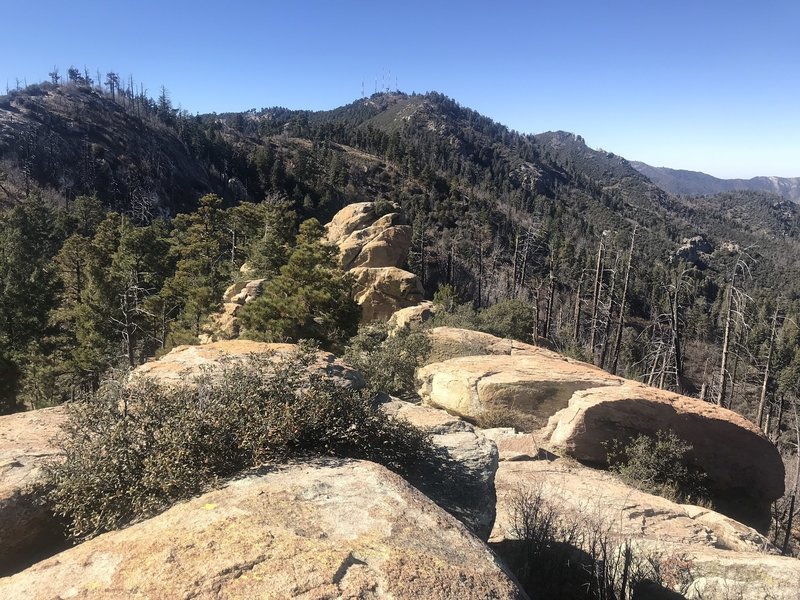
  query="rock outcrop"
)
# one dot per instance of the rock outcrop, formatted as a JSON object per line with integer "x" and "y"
{"x": 600, "y": 498}
{"x": 384, "y": 243}
{"x": 374, "y": 247}
{"x": 224, "y": 325}
{"x": 695, "y": 250}
{"x": 451, "y": 342}
{"x": 745, "y": 471}
{"x": 413, "y": 316}
{"x": 537, "y": 383}
{"x": 717, "y": 556}
{"x": 586, "y": 407}
{"x": 333, "y": 529}
{"x": 464, "y": 483}
{"x": 382, "y": 291}
{"x": 26, "y": 528}
{"x": 184, "y": 363}
{"x": 367, "y": 239}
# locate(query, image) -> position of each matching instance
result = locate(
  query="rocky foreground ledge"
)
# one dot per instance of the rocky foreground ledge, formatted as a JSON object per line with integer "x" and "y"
{"x": 326, "y": 529}
{"x": 331, "y": 529}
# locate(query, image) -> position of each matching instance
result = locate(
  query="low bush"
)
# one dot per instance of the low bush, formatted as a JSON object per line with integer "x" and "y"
{"x": 659, "y": 465}
{"x": 509, "y": 319}
{"x": 556, "y": 555}
{"x": 132, "y": 450}
{"x": 388, "y": 363}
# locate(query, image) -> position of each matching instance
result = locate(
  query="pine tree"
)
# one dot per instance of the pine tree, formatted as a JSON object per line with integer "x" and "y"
{"x": 310, "y": 299}
{"x": 201, "y": 271}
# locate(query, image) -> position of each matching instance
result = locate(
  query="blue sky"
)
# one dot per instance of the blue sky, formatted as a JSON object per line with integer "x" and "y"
{"x": 703, "y": 85}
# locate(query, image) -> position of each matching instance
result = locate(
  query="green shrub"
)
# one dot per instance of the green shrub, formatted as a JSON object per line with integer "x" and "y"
{"x": 446, "y": 297}
{"x": 388, "y": 363}
{"x": 509, "y": 319}
{"x": 461, "y": 316}
{"x": 132, "y": 450}
{"x": 659, "y": 465}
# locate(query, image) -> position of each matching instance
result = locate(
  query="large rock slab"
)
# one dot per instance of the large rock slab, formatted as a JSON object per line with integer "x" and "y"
{"x": 26, "y": 528}
{"x": 451, "y": 342}
{"x": 717, "y": 574}
{"x": 381, "y": 292}
{"x": 184, "y": 363}
{"x": 745, "y": 470}
{"x": 338, "y": 529}
{"x": 719, "y": 556}
{"x": 603, "y": 500}
{"x": 537, "y": 383}
{"x": 464, "y": 486}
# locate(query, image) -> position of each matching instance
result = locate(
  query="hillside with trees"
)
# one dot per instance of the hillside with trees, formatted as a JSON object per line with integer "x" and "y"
{"x": 124, "y": 219}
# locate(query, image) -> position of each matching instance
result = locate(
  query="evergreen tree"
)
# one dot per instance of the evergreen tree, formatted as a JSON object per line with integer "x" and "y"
{"x": 310, "y": 299}
{"x": 199, "y": 243}
{"x": 270, "y": 250}
{"x": 28, "y": 240}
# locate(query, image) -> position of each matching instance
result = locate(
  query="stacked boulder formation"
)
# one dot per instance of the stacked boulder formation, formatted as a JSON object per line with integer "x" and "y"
{"x": 373, "y": 246}
{"x": 224, "y": 325}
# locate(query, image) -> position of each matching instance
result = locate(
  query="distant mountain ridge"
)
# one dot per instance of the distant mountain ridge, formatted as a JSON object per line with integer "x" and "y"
{"x": 695, "y": 183}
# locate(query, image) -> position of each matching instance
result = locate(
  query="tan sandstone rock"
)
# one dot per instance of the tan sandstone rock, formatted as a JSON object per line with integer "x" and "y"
{"x": 464, "y": 486}
{"x": 717, "y": 574}
{"x": 413, "y": 316}
{"x": 182, "y": 364}
{"x": 338, "y": 529}
{"x": 26, "y": 441}
{"x": 352, "y": 217}
{"x": 450, "y": 342}
{"x": 373, "y": 248}
{"x": 224, "y": 325}
{"x": 580, "y": 492}
{"x": 384, "y": 243}
{"x": 381, "y": 292}
{"x": 513, "y": 445}
{"x": 367, "y": 240}
{"x": 744, "y": 468}
{"x": 537, "y": 382}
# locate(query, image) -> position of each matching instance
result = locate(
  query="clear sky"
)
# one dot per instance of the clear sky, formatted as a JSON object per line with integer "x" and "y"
{"x": 705, "y": 85}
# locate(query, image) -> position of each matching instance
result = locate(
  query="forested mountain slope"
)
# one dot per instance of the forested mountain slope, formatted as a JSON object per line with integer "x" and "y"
{"x": 543, "y": 220}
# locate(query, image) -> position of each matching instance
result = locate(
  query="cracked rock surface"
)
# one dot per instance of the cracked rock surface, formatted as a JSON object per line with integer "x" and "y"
{"x": 25, "y": 444}
{"x": 327, "y": 529}
{"x": 464, "y": 484}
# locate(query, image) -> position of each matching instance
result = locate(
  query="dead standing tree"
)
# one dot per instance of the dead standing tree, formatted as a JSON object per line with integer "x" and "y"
{"x": 736, "y": 301}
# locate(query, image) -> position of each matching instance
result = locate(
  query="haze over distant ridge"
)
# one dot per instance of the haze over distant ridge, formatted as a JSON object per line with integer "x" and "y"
{"x": 695, "y": 183}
